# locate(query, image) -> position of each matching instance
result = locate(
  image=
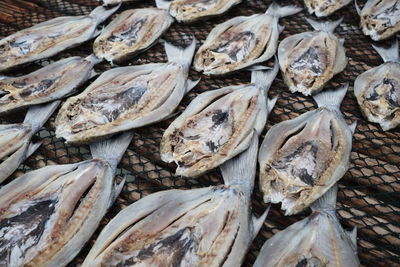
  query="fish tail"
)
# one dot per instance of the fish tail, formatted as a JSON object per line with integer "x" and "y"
{"x": 181, "y": 55}
{"x": 101, "y": 13}
{"x": 241, "y": 170}
{"x": 389, "y": 54}
{"x": 326, "y": 26}
{"x": 163, "y": 4}
{"x": 39, "y": 114}
{"x": 282, "y": 11}
{"x": 332, "y": 98}
{"x": 263, "y": 79}
{"x": 327, "y": 201}
{"x": 112, "y": 149}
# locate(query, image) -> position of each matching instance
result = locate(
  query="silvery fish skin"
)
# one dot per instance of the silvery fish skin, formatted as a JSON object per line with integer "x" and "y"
{"x": 127, "y": 97}
{"x": 131, "y": 32}
{"x": 218, "y": 125}
{"x": 318, "y": 240}
{"x": 192, "y": 10}
{"x": 210, "y": 226}
{"x": 300, "y": 159}
{"x": 15, "y": 139}
{"x": 242, "y": 41}
{"x": 47, "y": 215}
{"x": 380, "y": 19}
{"x": 378, "y": 90}
{"x": 323, "y": 8}
{"x": 309, "y": 60}
{"x": 50, "y": 37}
{"x": 47, "y": 84}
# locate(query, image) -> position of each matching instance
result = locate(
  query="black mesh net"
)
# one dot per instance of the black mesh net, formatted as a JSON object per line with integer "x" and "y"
{"x": 368, "y": 193}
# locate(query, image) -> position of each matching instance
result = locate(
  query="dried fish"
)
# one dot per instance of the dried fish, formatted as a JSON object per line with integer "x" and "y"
{"x": 193, "y": 10}
{"x": 50, "y": 37}
{"x": 127, "y": 97}
{"x": 218, "y": 125}
{"x": 49, "y": 83}
{"x": 15, "y": 139}
{"x": 318, "y": 240}
{"x": 380, "y": 19}
{"x": 131, "y": 32}
{"x": 378, "y": 90}
{"x": 323, "y": 8}
{"x": 242, "y": 41}
{"x": 300, "y": 159}
{"x": 309, "y": 60}
{"x": 47, "y": 215}
{"x": 209, "y": 226}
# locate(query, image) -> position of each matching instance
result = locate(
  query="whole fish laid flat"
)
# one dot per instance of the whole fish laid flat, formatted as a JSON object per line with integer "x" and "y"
{"x": 127, "y": 97}
{"x": 218, "y": 125}
{"x": 47, "y": 215}
{"x": 300, "y": 159}
{"x": 322, "y": 8}
{"x": 318, "y": 240}
{"x": 242, "y": 41}
{"x": 15, "y": 139}
{"x": 210, "y": 226}
{"x": 131, "y": 32}
{"x": 380, "y": 19}
{"x": 309, "y": 60}
{"x": 378, "y": 90}
{"x": 50, "y": 37}
{"x": 193, "y": 10}
{"x": 49, "y": 83}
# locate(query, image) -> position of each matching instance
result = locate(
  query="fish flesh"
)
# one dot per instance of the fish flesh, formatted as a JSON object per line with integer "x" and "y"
{"x": 323, "y": 8}
{"x": 131, "y": 32}
{"x": 301, "y": 158}
{"x": 378, "y": 90}
{"x": 127, "y": 97}
{"x": 380, "y": 19}
{"x": 192, "y": 10}
{"x": 242, "y": 41}
{"x": 218, "y": 125}
{"x": 47, "y": 84}
{"x": 210, "y": 226}
{"x": 309, "y": 60}
{"x": 15, "y": 139}
{"x": 47, "y": 215}
{"x": 318, "y": 240}
{"x": 50, "y": 37}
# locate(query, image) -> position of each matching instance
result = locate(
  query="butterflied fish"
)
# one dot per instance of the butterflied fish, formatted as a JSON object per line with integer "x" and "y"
{"x": 49, "y": 83}
{"x": 318, "y": 240}
{"x": 378, "y": 90}
{"x": 131, "y": 32}
{"x": 209, "y": 226}
{"x": 192, "y": 10}
{"x": 380, "y": 19}
{"x": 47, "y": 215}
{"x": 322, "y": 8}
{"x": 50, "y": 37}
{"x": 309, "y": 60}
{"x": 15, "y": 139}
{"x": 242, "y": 41}
{"x": 218, "y": 125}
{"x": 300, "y": 159}
{"x": 127, "y": 97}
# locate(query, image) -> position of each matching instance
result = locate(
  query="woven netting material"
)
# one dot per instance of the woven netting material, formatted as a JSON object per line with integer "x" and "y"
{"x": 368, "y": 195}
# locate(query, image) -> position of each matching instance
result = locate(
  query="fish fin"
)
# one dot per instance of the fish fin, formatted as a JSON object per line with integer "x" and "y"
{"x": 112, "y": 149}
{"x": 32, "y": 148}
{"x": 332, "y": 98}
{"x": 282, "y": 11}
{"x": 342, "y": 40}
{"x": 93, "y": 59}
{"x": 326, "y": 26}
{"x": 353, "y": 235}
{"x": 181, "y": 55}
{"x": 93, "y": 73}
{"x": 271, "y": 104}
{"x": 258, "y": 222}
{"x": 101, "y": 13}
{"x": 241, "y": 170}
{"x": 389, "y": 54}
{"x": 353, "y": 127}
{"x": 258, "y": 67}
{"x": 191, "y": 84}
{"x": 264, "y": 79}
{"x": 163, "y": 4}
{"x": 327, "y": 201}
{"x": 281, "y": 28}
{"x": 38, "y": 115}
{"x": 357, "y": 7}
{"x": 116, "y": 191}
